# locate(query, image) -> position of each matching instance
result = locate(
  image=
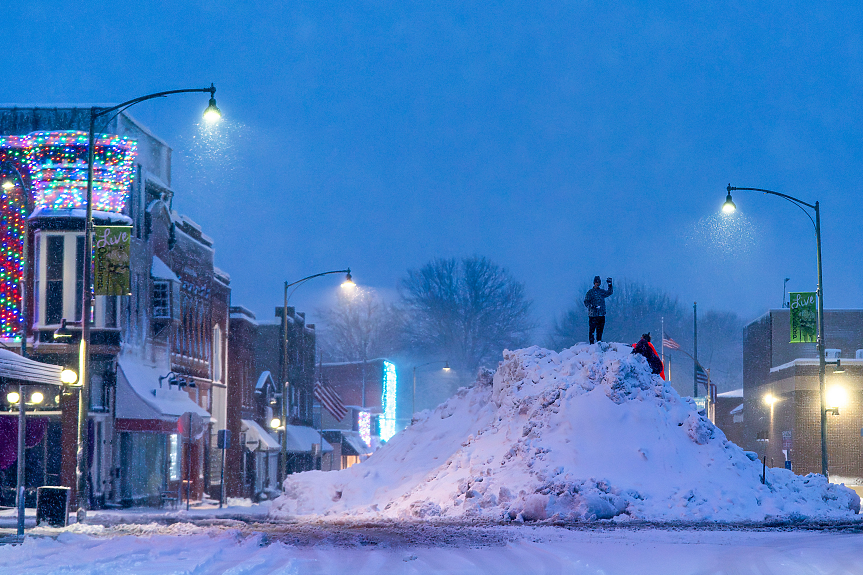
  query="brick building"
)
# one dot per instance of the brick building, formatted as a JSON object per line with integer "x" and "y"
{"x": 782, "y": 400}
{"x": 268, "y": 384}
{"x": 369, "y": 390}
{"x": 157, "y": 354}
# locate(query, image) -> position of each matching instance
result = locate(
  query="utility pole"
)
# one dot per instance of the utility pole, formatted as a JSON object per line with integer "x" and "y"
{"x": 695, "y": 349}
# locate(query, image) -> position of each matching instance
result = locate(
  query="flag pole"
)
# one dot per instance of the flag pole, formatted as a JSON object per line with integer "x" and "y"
{"x": 662, "y": 340}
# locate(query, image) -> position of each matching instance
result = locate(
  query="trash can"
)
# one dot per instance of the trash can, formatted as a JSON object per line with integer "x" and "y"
{"x": 52, "y": 505}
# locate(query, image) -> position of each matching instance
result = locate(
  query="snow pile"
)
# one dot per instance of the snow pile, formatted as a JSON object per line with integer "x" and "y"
{"x": 585, "y": 434}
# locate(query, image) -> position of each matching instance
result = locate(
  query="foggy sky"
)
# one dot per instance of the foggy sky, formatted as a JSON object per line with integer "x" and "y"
{"x": 560, "y": 139}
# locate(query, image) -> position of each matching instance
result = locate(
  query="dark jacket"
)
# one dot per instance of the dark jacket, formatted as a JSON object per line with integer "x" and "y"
{"x": 646, "y": 349}
{"x": 594, "y": 300}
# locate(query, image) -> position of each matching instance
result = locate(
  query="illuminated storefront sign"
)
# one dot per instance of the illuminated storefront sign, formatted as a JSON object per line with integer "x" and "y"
{"x": 388, "y": 401}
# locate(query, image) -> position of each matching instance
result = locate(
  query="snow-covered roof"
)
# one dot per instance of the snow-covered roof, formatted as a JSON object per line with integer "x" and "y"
{"x": 160, "y": 271}
{"x": 341, "y": 363}
{"x": 78, "y": 213}
{"x": 262, "y": 380}
{"x": 221, "y": 273}
{"x": 13, "y": 366}
{"x": 736, "y": 410}
{"x": 257, "y": 438}
{"x": 812, "y": 361}
{"x": 299, "y": 439}
{"x": 140, "y": 394}
{"x": 732, "y": 393}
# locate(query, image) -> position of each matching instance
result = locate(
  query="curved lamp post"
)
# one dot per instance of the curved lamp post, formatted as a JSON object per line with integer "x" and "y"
{"x": 211, "y": 114}
{"x": 414, "y": 395}
{"x": 346, "y": 284}
{"x": 729, "y": 207}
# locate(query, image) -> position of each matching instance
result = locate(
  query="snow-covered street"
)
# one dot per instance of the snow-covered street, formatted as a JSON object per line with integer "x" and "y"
{"x": 408, "y": 548}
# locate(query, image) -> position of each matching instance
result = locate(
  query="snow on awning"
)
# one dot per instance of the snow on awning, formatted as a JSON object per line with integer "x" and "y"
{"x": 160, "y": 271}
{"x": 257, "y": 438}
{"x": 140, "y": 395}
{"x": 355, "y": 444}
{"x": 13, "y": 366}
{"x": 299, "y": 439}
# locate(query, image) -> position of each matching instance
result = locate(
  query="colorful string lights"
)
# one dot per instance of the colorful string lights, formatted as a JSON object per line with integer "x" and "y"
{"x": 57, "y": 163}
{"x": 13, "y": 210}
{"x": 53, "y": 166}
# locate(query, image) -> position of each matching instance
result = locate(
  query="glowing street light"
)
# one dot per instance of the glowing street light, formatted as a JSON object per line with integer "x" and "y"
{"x": 210, "y": 113}
{"x": 285, "y": 384}
{"x": 349, "y": 281}
{"x": 729, "y": 207}
{"x": 770, "y": 399}
{"x": 68, "y": 377}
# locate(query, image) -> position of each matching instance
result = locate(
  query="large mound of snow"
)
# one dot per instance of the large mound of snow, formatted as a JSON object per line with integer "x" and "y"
{"x": 588, "y": 433}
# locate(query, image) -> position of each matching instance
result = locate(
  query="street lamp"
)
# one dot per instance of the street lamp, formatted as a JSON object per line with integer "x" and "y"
{"x": 729, "y": 207}
{"x": 211, "y": 113}
{"x": 348, "y": 283}
{"x": 414, "y": 395}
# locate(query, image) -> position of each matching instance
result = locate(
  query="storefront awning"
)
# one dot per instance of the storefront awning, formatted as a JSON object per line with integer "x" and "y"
{"x": 354, "y": 443}
{"x": 257, "y": 438}
{"x": 140, "y": 394}
{"x": 299, "y": 439}
{"x": 13, "y": 366}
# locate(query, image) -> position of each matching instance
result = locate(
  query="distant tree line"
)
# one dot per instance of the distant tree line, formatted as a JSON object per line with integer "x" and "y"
{"x": 467, "y": 311}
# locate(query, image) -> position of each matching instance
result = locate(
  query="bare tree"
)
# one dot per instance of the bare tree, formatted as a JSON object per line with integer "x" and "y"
{"x": 361, "y": 326}
{"x": 466, "y": 311}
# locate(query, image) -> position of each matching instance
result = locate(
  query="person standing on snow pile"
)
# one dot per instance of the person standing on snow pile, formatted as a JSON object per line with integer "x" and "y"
{"x": 645, "y": 348}
{"x": 594, "y": 301}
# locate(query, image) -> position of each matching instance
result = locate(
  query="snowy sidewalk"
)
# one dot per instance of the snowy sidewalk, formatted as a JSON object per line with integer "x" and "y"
{"x": 237, "y": 509}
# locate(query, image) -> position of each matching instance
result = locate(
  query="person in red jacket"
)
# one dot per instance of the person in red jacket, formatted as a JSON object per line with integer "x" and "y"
{"x": 645, "y": 348}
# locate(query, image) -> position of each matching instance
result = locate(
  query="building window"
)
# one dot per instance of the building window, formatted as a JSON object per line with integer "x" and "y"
{"x": 54, "y": 280}
{"x": 161, "y": 300}
{"x": 217, "y": 353}
{"x": 110, "y": 311}
{"x": 174, "y": 457}
{"x": 79, "y": 277}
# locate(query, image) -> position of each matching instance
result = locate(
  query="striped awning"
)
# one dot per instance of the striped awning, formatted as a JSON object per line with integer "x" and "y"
{"x": 13, "y": 366}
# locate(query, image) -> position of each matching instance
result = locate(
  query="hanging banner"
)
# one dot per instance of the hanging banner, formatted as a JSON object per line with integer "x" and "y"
{"x": 111, "y": 246}
{"x": 803, "y": 317}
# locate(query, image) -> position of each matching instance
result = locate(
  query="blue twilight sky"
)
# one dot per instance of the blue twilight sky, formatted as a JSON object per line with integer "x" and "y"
{"x": 560, "y": 139}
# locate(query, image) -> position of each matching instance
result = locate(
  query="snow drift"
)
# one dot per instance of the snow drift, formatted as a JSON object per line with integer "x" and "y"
{"x": 585, "y": 434}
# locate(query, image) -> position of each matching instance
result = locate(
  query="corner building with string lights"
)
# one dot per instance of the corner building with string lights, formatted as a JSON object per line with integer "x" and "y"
{"x": 157, "y": 385}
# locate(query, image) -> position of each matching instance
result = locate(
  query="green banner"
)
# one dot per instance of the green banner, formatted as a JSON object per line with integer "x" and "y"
{"x": 111, "y": 246}
{"x": 803, "y": 317}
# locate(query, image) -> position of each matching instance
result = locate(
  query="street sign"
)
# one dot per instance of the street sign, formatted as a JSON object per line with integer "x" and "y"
{"x": 223, "y": 439}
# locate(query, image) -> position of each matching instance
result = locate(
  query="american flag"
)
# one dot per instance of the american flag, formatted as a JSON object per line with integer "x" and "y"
{"x": 668, "y": 342}
{"x": 330, "y": 400}
{"x": 701, "y": 376}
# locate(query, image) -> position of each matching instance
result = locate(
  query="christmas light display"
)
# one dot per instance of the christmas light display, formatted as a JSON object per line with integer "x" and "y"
{"x": 388, "y": 400}
{"x": 365, "y": 425}
{"x": 57, "y": 165}
{"x": 52, "y": 167}
{"x": 13, "y": 210}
